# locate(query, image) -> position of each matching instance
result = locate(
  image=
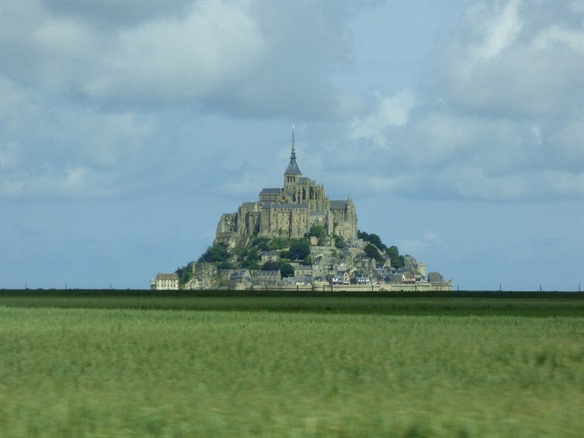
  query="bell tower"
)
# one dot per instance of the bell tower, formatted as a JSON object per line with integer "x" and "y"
{"x": 292, "y": 174}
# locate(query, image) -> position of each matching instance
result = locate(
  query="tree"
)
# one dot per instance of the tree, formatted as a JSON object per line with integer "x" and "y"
{"x": 397, "y": 261}
{"x": 299, "y": 249}
{"x": 287, "y": 270}
{"x": 278, "y": 243}
{"x": 185, "y": 273}
{"x": 372, "y": 251}
{"x": 250, "y": 264}
{"x": 372, "y": 238}
{"x": 317, "y": 231}
{"x": 225, "y": 265}
{"x": 271, "y": 266}
{"x": 340, "y": 242}
{"x": 215, "y": 253}
{"x": 261, "y": 243}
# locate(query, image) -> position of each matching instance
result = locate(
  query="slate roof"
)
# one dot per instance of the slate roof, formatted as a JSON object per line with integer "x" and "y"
{"x": 293, "y": 168}
{"x": 165, "y": 276}
{"x": 271, "y": 191}
{"x": 278, "y": 206}
{"x": 338, "y": 204}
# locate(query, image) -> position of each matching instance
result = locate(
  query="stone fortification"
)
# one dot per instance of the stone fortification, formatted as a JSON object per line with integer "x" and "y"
{"x": 288, "y": 211}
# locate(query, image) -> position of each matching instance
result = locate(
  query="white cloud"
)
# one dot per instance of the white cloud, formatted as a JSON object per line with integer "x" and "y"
{"x": 495, "y": 33}
{"x": 511, "y": 59}
{"x": 215, "y": 46}
{"x": 504, "y": 121}
{"x": 389, "y": 112}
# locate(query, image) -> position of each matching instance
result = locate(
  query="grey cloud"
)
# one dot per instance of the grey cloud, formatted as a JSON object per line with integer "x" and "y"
{"x": 523, "y": 60}
{"x": 241, "y": 58}
{"x": 116, "y": 14}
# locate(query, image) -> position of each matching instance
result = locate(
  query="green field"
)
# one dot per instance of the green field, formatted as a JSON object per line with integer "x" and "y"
{"x": 144, "y": 364}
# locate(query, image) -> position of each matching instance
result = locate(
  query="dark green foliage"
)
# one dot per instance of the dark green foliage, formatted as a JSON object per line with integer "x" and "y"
{"x": 250, "y": 264}
{"x": 372, "y": 238}
{"x": 517, "y": 304}
{"x": 279, "y": 243}
{"x": 216, "y": 253}
{"x": 340, "y": 242}
{"x": 372, "y": 251}
{"x": 287, "y": 270}
{"x": 250, "y": 258}
{"x": 185, "y": 273}
{"x": 261, "y": 243}
{"x": 397, "y": 261}
{"x": 225, "y": 265}
{"x": 317, "y": 231}
{"x": 271, "y": 266}
{"x": 299, "y": 249}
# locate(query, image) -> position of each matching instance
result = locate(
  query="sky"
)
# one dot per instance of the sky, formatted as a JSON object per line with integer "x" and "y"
{"x": 129, "y": 127}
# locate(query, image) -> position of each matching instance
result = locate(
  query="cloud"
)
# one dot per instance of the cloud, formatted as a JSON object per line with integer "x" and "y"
{"x": 501, "y": 121}
{"x": 239, "y": 58}
{"x": 494, "y": 34}
{"x": 389, "y": 112}
{"x": 510, "y": 59}
{"x": 75, "y": 151}
{"x": 112, "y": 98}
{"x": 120, "y": 94}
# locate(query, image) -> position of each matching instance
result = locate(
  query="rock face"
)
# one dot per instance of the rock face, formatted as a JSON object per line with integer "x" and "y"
{"x": 288, "y": 211}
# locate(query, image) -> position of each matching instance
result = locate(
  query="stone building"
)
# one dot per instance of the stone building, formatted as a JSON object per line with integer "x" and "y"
{"x": 289, "y": 211}
{"x": 165, "y": 281}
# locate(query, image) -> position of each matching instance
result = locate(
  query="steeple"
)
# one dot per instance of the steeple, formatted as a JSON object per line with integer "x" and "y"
{"x": 293, "y": 169}
{"x": 293, "y": 154}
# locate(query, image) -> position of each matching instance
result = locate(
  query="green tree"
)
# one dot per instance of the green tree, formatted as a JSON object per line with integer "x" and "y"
{"x": 340, "y": 242}
{"x": 216, "y": 253}
{"x": 271, "y": 266}
{"x": 317, "y": 231}
{"x": 185, "y": 273}
{"x": 250, "y": 264}
{"x": 299, "y": 249}
{"x": 261, "y": 243}
{"x": 225, "y": 265}
{"x": 372, "y": 251}
{"x": 372, "y": 238}
{"x": 287, "y": 270}
{"x": 279, "y": 243}
{"x": 397, "y": 261}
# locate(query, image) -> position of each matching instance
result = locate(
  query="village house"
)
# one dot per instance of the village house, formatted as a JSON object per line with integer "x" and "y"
{"x": 165, "y": 281}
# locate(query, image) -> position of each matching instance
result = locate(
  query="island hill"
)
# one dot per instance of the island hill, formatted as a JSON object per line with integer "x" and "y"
{"x": 296, "y": 237}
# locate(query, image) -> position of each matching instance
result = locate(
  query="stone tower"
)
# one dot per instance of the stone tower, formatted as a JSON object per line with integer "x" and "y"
{"x": 292, "y": 173}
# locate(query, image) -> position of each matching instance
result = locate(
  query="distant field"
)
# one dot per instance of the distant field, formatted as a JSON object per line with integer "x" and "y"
{"x": 536, "y": 304}
{"x": 143, "y": 364}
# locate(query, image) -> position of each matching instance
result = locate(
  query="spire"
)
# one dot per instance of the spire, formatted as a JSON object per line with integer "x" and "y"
{"x": 293, "y": 168}
{"x": 293, "y": 154}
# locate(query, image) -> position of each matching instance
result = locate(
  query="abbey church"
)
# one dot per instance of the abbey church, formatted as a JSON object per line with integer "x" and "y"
{"x": 289, "y": 211}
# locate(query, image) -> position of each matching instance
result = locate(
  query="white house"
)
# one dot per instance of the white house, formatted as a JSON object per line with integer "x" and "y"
{"x": 165, "y": 282}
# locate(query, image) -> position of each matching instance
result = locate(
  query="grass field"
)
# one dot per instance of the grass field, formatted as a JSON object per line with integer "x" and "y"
{"x": 83, "y": 364}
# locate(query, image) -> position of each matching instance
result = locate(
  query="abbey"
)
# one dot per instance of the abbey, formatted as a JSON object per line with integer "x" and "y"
{"x": 288, "y": 211}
